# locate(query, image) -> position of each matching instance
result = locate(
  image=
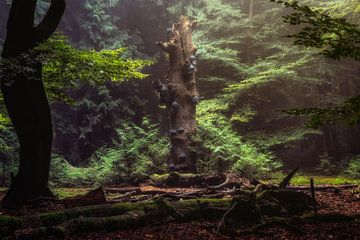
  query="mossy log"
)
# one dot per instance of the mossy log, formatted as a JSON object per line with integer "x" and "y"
{"x": 111, "y": 217}
{"x": 250, "y": 208}
{"x": 176, "y": 179}
{"x": 94, "y": 197}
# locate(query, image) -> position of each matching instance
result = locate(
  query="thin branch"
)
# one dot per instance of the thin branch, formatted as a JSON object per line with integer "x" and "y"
{"x": 51, "y": 20}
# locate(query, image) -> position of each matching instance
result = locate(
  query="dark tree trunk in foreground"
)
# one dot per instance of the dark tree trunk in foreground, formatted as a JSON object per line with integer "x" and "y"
{"x": 26, "y": 100}
{"x": 179, "y": 93}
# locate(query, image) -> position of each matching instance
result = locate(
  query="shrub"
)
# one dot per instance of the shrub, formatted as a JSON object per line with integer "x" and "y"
{"x": 353, "y": 170}
{"x": 137, "y": 152}
{"x": 222, "y": 149}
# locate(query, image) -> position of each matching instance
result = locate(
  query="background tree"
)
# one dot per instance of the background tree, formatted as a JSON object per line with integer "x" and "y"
{"x": 337, "y": 38}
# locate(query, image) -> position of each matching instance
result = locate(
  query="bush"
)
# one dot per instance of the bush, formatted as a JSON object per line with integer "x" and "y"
{"x": 221, "y": 149}
{"x": 138, "y": 152}
{"x": 326, "y": 167}
{"x": 353, "y": 170}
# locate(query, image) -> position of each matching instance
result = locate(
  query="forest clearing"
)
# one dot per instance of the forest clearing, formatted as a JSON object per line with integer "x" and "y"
{"x": 179, "y": 119}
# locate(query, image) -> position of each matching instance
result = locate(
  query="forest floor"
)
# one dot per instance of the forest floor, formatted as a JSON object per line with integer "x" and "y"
{"x": 344, "y": 201}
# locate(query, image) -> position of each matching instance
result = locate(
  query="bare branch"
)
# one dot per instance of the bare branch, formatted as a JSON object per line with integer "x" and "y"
{"x": 51, "y": 20}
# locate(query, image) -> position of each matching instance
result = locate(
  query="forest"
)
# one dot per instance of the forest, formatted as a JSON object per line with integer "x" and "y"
{"x": 180, "y": 119}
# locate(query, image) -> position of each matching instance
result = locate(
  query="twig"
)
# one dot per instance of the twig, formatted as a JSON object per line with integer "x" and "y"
{"x": 222, "y": 221}
{"x": 313, "y": 196}
{"x": 224, "y": 184}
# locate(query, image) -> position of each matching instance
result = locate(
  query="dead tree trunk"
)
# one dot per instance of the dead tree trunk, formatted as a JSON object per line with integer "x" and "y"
{"x": 251, "y": 8}
{"x": 179, "y": 93}
{"x": 26, "y": 100}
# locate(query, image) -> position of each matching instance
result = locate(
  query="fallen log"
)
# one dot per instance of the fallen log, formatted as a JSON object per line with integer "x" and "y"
{"x": 122, "y": 190}
{"x": 118, "y": 216}
{"x": 175, "y": 179}
{"x": 94, "y": 197}
{"x": 249, "y": 209}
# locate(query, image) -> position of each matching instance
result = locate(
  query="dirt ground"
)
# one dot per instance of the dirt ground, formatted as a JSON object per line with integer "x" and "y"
{"x": 331, "y": 202}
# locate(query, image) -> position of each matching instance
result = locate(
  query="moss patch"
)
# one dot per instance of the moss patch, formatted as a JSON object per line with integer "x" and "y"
{"x": 70, "y": 192}
{"x": 301, "y": 180}
{"x": 9, "y": 224}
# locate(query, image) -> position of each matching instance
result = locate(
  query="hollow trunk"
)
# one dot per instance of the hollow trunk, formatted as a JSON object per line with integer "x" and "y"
{"x": 179, "y": 93}
{"x": 26, "y": 100}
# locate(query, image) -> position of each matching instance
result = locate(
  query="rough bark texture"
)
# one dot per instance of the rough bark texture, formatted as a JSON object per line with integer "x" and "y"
{"x": 26, "y": 100}
{"x": 179, "y": 93}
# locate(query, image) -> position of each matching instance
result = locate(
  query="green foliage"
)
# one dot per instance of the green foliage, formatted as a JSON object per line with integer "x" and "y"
{"x": 336, "y": 37}
{"x": 99, "y": 24}
{"x": 65, "y": 65}
{"x": 4, "y": 130}
{"x": 304, "y": 180}
{"x": 347, "y": 113}
{"x": 9, "y": 224}
{"x": 257, "y": 71}
{"x": 287, "y": 137}
{"x": 65, "y": 71}
{"x": 353, "y": 169}
{"x": 326, "y": 166}
{"x": 137, "y": 152}
{"x": 92, "y": 121}
{"x": 221, "y": 149}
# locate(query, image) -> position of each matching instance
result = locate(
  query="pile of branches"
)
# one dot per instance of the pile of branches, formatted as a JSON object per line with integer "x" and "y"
{"x": 239, "y": 205}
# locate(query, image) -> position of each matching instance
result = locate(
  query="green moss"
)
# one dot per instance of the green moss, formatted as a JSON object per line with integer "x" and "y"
{"x": 157, "y": 178}
{"x": 301, "y": 180}
{"x": 69, "y": 192}
{"x": 164, "y": 177}
{"x": 50, "y": 219}
{"x": 9, "y": 224}
{"x": 324, "y": 180}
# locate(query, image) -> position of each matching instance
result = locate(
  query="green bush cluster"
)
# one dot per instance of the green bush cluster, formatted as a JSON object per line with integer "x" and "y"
{"x": 353, "y": 170}
{"x": 221, "y": 149}
{"x": 137, "y": 152}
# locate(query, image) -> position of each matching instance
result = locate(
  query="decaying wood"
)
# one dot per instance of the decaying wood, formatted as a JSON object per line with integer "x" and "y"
{"x": 248, "y": 209}
{"x": 94, "y": 197}
{"x": 123, "y": 190}
{"x": 286, "y": 181}
{"x": 312, "y": 189}
{"x": 232, "y": 186}
{"x": 117, "y": 217}
{"x": 179, "y": 93}
{"x": 232, "y": 180}
{"x": 222, "y": 221}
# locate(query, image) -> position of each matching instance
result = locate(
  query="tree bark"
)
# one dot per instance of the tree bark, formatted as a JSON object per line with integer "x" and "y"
{"x": 26, "y": 100}
{"x": 251, "y": 8}
{"x": 179, "y": 93}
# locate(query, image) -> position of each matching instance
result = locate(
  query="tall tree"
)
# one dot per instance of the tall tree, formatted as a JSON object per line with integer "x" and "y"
{"x": 26, "y": 100}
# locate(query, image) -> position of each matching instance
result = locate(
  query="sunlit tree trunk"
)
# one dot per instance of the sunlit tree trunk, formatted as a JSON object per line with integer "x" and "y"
{"x": 179, "y": 93}
{"x": 26, "y": 100}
